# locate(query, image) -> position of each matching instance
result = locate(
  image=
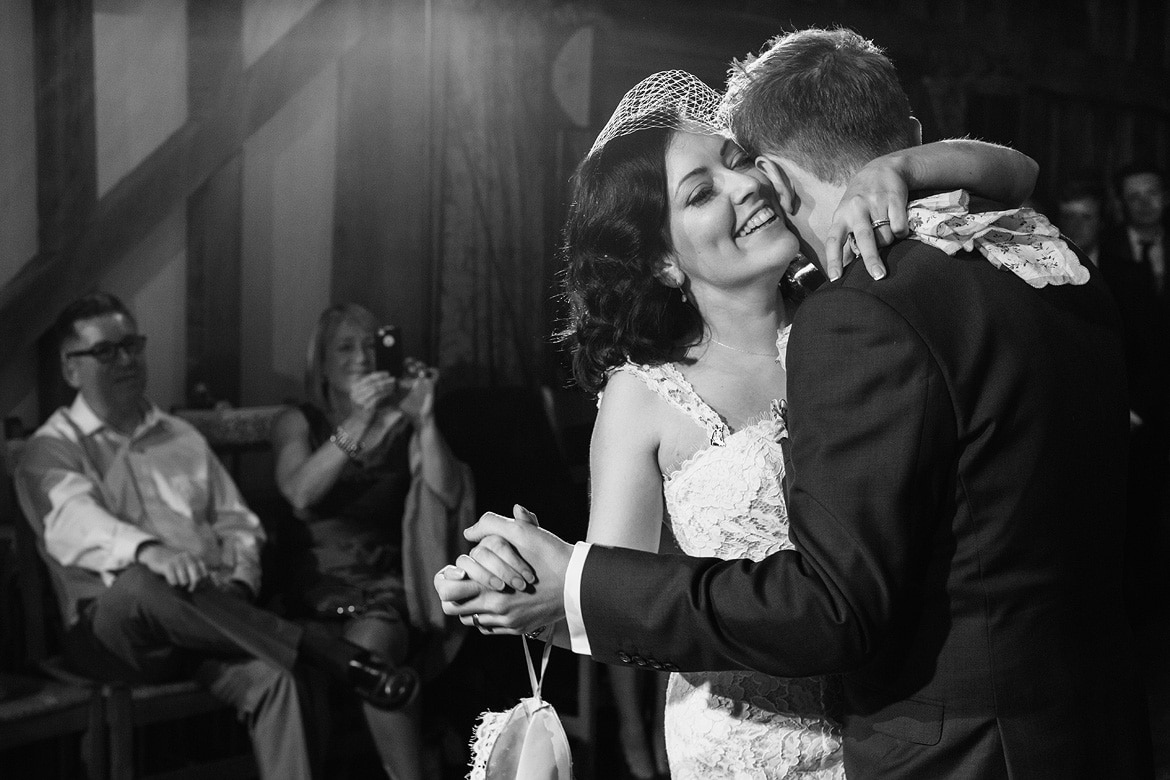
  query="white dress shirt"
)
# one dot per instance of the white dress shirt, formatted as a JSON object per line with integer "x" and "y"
{"x": 100, "y": 494}
{"x": 579, "y": 640}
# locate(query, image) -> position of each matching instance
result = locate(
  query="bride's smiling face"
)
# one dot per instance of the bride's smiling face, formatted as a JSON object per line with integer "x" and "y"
{"x": 726, "y": 227}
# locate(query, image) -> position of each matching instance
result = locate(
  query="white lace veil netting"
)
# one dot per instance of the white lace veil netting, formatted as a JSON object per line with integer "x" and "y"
{"x": 670, "y": 99}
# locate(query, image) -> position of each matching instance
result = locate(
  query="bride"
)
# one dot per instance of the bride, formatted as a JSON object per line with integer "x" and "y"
{"x": 675, "y": 247}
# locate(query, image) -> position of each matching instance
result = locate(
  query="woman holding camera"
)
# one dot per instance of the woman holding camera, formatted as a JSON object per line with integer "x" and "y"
{"x": 360, "y": 461}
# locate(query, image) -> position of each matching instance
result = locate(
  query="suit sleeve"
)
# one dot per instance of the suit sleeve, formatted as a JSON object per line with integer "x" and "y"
{"x": 872, "y": 432}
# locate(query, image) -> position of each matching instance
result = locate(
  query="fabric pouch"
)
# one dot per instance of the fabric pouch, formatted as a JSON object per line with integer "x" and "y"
{"x": 527, "y": 742}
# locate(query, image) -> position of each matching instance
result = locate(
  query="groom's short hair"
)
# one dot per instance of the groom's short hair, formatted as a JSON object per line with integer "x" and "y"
{"x": 828, "y": 99}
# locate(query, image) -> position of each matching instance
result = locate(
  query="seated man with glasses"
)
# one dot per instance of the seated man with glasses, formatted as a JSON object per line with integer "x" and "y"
{"x": 154, "y": 557}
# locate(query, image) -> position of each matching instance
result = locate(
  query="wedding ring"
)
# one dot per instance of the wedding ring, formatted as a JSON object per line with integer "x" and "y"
{"x": 535, "y": 633}
{"x": 482, "y": 628}
{"x": 877, "y": 223}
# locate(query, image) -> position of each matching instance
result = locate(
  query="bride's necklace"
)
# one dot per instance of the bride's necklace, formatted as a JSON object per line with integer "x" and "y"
{"x": 714, "y": 340}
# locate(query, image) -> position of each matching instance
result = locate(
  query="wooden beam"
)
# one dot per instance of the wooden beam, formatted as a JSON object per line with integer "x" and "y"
{"x": 66, "y": 133}
{"x": 66, "y": 151}
{"x": 215, "y": 210}
{"x": 173, "y": 172}
{"x": 382, "y": 247}
{"x": 214, "y": 235}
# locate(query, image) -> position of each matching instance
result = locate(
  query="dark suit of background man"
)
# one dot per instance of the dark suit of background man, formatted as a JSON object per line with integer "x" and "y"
{"x": 1134, "y": 263}
{"x": 957, "y": 508}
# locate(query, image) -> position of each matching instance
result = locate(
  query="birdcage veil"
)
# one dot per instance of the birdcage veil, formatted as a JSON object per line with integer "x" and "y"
{"x": 670, "y": 99}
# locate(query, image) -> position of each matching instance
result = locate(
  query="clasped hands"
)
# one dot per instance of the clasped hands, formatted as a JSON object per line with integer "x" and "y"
{"x": 188, "y": 571}
{"x": 512, "y": 581}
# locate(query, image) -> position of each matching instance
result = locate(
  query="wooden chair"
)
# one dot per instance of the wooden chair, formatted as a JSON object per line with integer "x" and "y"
{"x": 123, "y": 710}
{"x": 34, "y": 708}
{"x": 233, "y": 432}
{"x": 43, "y": 709}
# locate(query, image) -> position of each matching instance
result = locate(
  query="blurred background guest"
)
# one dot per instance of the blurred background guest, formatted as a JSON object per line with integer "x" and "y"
{"x": 154, "y": 555}
{"x": 360, "y": 460}
{"x": 1080, "y": 204}
{"x": 1133, "y": 262}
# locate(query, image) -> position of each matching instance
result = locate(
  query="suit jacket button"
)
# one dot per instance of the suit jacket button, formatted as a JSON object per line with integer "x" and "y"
{"x": 656, "y": 665}
{"x": 625, "y": 659}
{"x": 670, "y": 667}
{"x": 639, "y": 660}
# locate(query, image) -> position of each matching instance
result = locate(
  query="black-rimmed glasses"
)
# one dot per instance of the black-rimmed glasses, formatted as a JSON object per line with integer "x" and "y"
{"x": 107, "y": 351}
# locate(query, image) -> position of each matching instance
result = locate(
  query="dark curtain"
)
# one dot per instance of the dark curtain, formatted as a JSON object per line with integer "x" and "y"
{"x": 450, "y": 189}
{"x": 496, "y": 130}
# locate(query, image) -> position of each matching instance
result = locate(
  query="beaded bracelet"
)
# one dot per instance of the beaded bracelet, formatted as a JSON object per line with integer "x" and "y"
{"x": 346, "y": 443}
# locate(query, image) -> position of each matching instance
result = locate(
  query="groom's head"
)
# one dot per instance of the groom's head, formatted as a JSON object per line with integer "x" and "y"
{"x": 828, "y": 100}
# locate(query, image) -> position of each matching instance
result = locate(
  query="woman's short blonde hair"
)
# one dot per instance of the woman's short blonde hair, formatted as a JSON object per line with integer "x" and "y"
{"x": 316, "y": 380}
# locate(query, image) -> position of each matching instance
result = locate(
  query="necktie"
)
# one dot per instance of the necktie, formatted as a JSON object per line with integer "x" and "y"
{"x": 1153, "y": 265}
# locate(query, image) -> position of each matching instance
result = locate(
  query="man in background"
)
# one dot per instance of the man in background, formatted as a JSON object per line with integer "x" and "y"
{"x": 153, "y": 555}
{"x": 1133, "y": 262}
{"x": 1079, "y": 205}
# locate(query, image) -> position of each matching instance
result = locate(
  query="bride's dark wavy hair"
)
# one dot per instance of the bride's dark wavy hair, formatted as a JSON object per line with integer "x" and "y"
{"x": 616, "y": 234}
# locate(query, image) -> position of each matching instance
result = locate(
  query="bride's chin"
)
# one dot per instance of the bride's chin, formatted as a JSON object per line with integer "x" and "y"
{"x": 787, "y": 266}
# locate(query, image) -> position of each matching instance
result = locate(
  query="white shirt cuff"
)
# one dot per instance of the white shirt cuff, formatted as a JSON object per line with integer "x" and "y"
{"x": 578, "y": 640}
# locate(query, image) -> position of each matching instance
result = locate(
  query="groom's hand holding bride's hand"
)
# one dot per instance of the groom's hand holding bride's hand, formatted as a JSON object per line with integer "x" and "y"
{"x": 512, "y": 581}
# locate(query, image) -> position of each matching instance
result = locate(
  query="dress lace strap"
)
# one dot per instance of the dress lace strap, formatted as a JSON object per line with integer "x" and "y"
{"x": 673, "y": 387}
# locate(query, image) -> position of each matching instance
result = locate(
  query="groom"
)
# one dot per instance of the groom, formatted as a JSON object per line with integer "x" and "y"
{"x": 958, "y": 440}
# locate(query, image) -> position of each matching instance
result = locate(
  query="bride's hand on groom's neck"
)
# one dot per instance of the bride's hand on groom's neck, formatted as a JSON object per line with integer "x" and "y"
{"x": 871, "y": 214}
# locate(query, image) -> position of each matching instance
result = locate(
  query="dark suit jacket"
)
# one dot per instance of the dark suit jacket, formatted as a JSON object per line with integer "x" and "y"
{"x": 1146, "y": 318}
{"x": 959, "y": 441}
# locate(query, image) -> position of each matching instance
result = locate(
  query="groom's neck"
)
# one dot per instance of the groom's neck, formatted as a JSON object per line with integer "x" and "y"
{"x": 816, "y": 202}
{"x": 821, "y": 200}
{"x": 815, "y": 198}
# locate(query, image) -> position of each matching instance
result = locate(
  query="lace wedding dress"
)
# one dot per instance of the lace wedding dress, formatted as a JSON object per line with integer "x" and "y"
{"x": 727, "y": 501}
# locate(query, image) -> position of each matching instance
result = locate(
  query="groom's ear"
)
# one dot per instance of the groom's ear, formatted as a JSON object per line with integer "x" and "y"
{"x": 789, "y": 201}
{"x": 915, "y": 131}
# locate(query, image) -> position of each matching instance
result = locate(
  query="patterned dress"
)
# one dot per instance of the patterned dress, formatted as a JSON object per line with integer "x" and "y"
{"x": 727, "y": 501}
